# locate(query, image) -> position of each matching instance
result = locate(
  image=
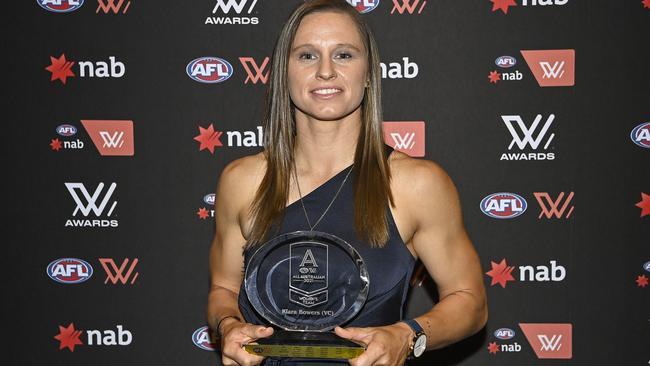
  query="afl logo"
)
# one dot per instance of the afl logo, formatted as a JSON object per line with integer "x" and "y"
{"x": 203, "y": 339}
{"x": 506, "y": 61}
{"x": 641, "y": 135}
{"x": 69, "y": 270}
{"x": 504, "y": 333}
{"x": 66, "y": 130}
{"x": 646, "y": 266}
{"x": 503, "y": 205}
{"x": 60, "y": 6}
{"x": 209, "y": 70}
{"x": 209, "y": 199}
{"x": 364, "y": 6}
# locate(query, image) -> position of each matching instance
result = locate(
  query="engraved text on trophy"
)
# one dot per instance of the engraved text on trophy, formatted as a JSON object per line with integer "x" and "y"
{"x": 308, "y": 274}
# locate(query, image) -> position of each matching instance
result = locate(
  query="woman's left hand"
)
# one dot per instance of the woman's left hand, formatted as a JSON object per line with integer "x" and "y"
{"x": 388, "y": 345}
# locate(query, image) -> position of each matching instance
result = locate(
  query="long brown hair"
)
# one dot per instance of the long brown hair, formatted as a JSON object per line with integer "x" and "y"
{"x": 371, "y": 174}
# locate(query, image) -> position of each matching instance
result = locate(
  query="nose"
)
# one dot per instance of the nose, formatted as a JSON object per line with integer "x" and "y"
{"x": 326, "y": 69}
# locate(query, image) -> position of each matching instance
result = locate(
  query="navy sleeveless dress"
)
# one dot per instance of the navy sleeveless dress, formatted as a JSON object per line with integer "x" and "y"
{"x": 389, "y": 267}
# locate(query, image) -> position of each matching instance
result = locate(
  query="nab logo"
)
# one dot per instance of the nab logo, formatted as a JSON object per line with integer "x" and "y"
{"x": 504, "y": 5}
{"x": 364, "y": 6}
{"x": 121, "y": 274}
{"x": 409, "y": 6}
{"x": 407, "y": 137}
{"x": 254, "y": 72}
{"x": 208, "y": 138}
{"x": 60, "y": 6}
{"x": 552, "y": 67}
{"x": 69, "y": 270}
{"x": 551, "y": 208}
{"x": 112, "y": 6}
{"x": 549, "y": 340}
{"x": 61, "y": 69}
{"x": 87, "y": 203}
{"x": 501, "y": 273}
{"x": 528, "y": 138}
{"x": 66, "y": 130}
{"x": 209, "y": 70}
{"x": 239, "y": 7}
{"x": 69, "y": 337}
{"x": 205, "y": 339}
{"x": 640, "y": 135}
{"x": 396, "y": 70}
{"x": 505, "y": 61}
{"x": 503, "y": 205}
{"x": 111, "y": 137}
{"x": 504, "y": 333}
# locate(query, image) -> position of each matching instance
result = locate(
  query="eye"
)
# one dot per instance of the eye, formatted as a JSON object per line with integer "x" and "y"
{"x": 306, "y": 56}
{"x": 344, "y": 55}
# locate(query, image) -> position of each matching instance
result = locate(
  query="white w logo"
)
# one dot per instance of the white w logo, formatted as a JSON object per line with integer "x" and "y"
{"x": 406, "y": 141}
{"x": 239, "y": 6}
{"x": 91, "y": 200}
{"x": 552, "y": 344}
{"x": 112, "y": 141}
{"x": 552, "y": 72}
{"x": 528, "y": 132}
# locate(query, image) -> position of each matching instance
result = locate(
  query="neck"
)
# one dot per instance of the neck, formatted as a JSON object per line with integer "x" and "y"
{"x": 323, "y": 147}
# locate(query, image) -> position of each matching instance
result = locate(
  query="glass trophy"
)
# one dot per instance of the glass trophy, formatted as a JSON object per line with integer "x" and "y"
{"x": 305, "y": 283}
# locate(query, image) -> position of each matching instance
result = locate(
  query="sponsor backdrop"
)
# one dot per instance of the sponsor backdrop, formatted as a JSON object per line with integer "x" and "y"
{"x": 124, "y": 113}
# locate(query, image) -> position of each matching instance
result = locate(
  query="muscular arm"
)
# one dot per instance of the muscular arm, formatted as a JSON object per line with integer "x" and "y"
{"x": 226, "y": 260}
{"x": 441, "y": 243}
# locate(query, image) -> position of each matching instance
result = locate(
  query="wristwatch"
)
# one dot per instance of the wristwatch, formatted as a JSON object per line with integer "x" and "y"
{"x": 419, "y": 342}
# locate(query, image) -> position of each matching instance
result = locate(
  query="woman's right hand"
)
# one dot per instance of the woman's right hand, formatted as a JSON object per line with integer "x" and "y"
{"x": 234, "y": 335}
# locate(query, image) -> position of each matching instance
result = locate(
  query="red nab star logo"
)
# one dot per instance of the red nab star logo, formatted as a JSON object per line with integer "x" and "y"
{"x": 642, "y": 281}
{"x": 646, "y": 4}
{"x": 501, "y": 273}
{"x": 494, "y": 76}
{"x": 68, "y": 337}
{"x": 502, "y": 5}
{"x": 202, "y": 213}
{"x": 55, "y": 144}
{"x": 644, "y": 205}
{"x": 493, "y": 348}
{"x": 60, "y": 68}
{"x": 208, "y": 138}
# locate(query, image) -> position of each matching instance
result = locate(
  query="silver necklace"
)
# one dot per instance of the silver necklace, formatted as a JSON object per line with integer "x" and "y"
{"x": 295, "y": 175}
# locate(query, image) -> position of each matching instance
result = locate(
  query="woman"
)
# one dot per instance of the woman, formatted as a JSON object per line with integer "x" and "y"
{"x": 323, "y": 126}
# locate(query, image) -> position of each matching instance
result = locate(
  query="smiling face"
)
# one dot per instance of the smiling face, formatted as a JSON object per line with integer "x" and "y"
{"x": 327, "y": 67}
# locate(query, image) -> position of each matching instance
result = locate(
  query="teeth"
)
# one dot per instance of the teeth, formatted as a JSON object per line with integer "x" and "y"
{"x": 326, "y": 91}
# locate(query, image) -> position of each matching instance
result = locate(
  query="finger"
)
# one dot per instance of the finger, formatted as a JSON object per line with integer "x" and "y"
{"x": 248, "y": 359}
{"x": 359, "y": 335}
{"x": 257, "y": 331}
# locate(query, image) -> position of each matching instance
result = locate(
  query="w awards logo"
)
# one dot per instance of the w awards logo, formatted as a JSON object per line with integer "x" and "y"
{"x": 408, "y": 7}
{"x": 113, "y": 6}
{"x": 549, "y": 340}
{"x": 255, "y": 72}
{"x": 552, "y": 67}
{"x": 233, "y": 12}
{"x": 92, "y": 209}
{"x": 407, "y": 137}
{"x": 536, "y": 137}
{"x": 111, "y": 138}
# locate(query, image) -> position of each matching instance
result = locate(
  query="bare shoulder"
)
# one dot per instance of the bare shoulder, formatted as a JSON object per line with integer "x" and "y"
{"x": 239, "y": 181}
{"x": 413, "y": 177}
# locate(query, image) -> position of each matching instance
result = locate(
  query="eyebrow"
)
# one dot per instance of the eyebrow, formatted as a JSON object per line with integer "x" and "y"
{"x": 338, "y": 45}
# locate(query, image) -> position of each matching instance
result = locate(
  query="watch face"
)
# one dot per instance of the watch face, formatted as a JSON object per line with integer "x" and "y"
{"x": 420, "y": 345}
